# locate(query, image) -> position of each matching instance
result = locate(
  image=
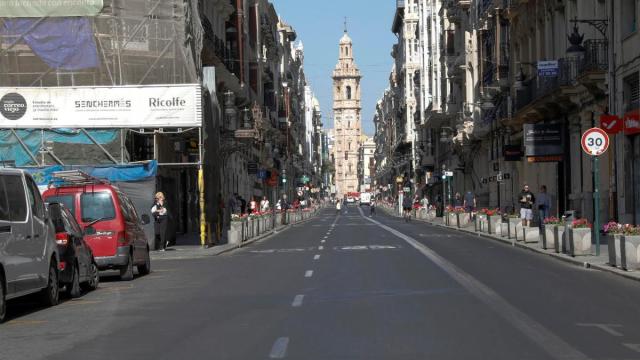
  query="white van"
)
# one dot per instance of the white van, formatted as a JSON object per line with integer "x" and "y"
{"x": 29, "y": 257}
{"x": 365, "y": 198}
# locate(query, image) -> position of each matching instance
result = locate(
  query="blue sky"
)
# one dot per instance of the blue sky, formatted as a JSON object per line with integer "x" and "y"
{"x": 319, "y": 24}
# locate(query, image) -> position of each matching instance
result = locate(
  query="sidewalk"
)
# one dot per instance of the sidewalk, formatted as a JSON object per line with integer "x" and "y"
{"x": 591, "y": 261}
{"x": 188, "y": 245}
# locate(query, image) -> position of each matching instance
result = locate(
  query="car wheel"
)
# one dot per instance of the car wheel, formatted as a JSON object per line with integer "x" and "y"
{"x": 126, "y": 272}
{"x": 3, "y": 300}
{"x": 51, "y": 294}
{"x": 145, "y": 268}
{"x": 73, "y": 289}
{"x": 94, "y": 278}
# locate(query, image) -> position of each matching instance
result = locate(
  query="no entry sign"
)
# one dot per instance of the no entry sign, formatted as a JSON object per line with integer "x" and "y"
{"x": 595, "y": 141}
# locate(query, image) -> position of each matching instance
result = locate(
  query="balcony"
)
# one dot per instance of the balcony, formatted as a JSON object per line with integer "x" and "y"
{"x": 588, "y": 71}
{"x": 222, "y": 53}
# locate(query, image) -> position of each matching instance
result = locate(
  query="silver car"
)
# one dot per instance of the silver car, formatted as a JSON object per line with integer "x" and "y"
{"x": 28, "y": 254}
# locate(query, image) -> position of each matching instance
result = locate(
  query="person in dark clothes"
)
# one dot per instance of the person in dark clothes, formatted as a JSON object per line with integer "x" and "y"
{"x": 160, "y": 215}
{"x": 527, "y": 199}
{"x": 243, "y": 206}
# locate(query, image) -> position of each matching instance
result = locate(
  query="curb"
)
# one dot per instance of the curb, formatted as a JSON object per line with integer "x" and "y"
{"x": 569, "y": 260}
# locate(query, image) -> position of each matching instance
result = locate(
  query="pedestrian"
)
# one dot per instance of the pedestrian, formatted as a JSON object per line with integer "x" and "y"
{"x": 372, "y": 207}
{"x": 253, "y": 205}
{"x": 439, "y": 206}
{"x": 425, "y": 202}
{"x": 159, "y": 212}
{"x": 279, "y": 205}
{"x": 243, "y": 206}
{"x": 232, "y": 204}
{"x": 457, "y": 201}
{"x": 264, "y": 205}
{"x": 527, "y": 199}
{"x": 469, "y": 202}
{"x": 284, "y": 204}
{"x": 338, "y": 207}
{"x": 544, "y": 204}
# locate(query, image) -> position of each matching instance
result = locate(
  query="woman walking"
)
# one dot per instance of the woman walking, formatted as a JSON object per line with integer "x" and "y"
{"x": 159, "y": 212}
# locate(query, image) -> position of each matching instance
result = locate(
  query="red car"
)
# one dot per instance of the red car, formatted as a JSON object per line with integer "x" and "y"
{"x": 111, "y": 225}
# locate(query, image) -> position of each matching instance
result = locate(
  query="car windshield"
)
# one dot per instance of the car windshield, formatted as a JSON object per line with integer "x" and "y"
{"x": 97, "y": 206}
{"x": 66, "y": 200}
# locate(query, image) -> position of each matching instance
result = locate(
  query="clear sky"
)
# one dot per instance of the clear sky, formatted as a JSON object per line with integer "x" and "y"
{"x": 320, "y": 23}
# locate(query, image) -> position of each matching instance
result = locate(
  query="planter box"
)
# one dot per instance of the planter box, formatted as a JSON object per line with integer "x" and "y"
{"x": 235, "y": 233}
{"x": 493, "y": 222}
{"x": 579, "y": 241}
{"x": 628, "y": 252}
{"x": 445, "y": 218}
{"x": 504, "y": 229}
{"x": 481, "y": 223}
{"x": 464, "y": 219}
{"x": 548, "y": 234}
{"x": 519, "y": 233}
{"x": 559, "y": 243}
{"x": 431, "y": 215}
{"x": 513, "y": 222}
{"x": 530, "y": 234}
{"x": 452, "y": 219}
{"x": 612, "y": 240}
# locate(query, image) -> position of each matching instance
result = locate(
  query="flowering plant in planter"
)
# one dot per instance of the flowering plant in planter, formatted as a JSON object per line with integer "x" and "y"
{"x": 613, "y": 227}
{"x": 449, "y": 208}
{"x": 552, "y": 220}
{"x": 581, "y": 224}
{"x": 459, "y": 210}
{"x": 236, "y": 217}
{"x": 630, "y": 230}
{"x": 492, "y": 212}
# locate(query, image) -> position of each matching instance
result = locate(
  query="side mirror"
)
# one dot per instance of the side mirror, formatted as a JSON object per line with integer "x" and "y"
{"x": 89, "y": 230}
{"x": 145, "y": 219}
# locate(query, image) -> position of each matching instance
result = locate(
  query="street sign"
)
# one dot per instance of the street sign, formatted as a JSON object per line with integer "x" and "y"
{"x": 595, "y": 141}
{"x": 448, "y": 173}
{"x": 548, "y": 68}
{"x": 252, "y": 168}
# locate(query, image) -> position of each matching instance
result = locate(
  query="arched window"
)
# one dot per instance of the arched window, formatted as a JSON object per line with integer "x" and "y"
{"x": 346, "y": 51}
{"x": 349, "y": 92}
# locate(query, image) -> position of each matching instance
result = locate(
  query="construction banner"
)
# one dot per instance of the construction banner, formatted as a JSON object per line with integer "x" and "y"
{"x": 49, "y": 8}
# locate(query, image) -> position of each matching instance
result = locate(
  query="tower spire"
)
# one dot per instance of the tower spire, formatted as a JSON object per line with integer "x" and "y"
{"x": 345, "y": 24}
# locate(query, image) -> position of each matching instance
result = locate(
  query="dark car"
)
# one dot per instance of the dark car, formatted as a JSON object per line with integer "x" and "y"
{"x": 78, "y": 268}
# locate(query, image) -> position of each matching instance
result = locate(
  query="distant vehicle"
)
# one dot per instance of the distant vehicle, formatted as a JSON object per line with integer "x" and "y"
{"x": 78, "y": 268}
{"x": 29, "y": 257}
{"x": 350, "y": 200}
{"x": 365, "y": 198}
{"x": 111, "y": 225}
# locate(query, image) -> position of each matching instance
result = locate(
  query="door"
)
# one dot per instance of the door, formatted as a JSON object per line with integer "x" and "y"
{"x": 79, "y": 246}
{"x": 39, "y": 233}
{"x": 141, "y": 238}
{"x": 17, "y": 247}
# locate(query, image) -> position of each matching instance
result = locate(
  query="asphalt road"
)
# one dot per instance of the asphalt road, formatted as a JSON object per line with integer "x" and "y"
{"x": 344, "y": 287}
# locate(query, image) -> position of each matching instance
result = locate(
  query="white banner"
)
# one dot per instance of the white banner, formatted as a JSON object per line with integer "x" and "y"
{"x": 101, "y": 107}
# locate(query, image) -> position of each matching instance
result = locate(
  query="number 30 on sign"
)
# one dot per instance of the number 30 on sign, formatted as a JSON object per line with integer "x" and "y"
{"x": 595, "y": 141}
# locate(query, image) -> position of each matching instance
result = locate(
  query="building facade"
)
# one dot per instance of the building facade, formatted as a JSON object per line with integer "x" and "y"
{"x": 347, "y": 118}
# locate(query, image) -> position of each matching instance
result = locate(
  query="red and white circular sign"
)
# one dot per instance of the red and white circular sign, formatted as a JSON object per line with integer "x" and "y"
{"x": 595, "y": 141}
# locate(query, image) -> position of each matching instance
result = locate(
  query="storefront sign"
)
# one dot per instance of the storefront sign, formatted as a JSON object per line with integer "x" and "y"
{"x": 543, "y": 139}
{"x": 551, "y": 158}
{"x": 612, "y": 124}
{"x": 548, "y": 68}
{"x": 512, "y": 152}
{"x": 49, "y": 8}
{"x": 632, "y": 122}
{"x": 496, "y": 178}
{"x": 169, "y": 106}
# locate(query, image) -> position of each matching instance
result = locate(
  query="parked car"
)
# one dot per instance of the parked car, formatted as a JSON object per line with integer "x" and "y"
{"x": 111, "y": 225}
{"x": 28, "y": 253}
{"x": 78, "y": 268}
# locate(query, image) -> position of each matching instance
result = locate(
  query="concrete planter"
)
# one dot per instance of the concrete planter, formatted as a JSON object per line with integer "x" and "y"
{"x": 548, "y": 233}
{"x": 453, "y": 219}
{"x": 628, "y": 252}
{"x": 446, "y": 218}
{"x": 612, "y": 239}
{"x": 494, "y": 222}
{"x": 481, "y": 223}
{"x": 513, "y": 222}
{"x": 431, "y": 215}
{"x": 504, "y": 229}
{"x": 530, "y": 234}
{"x": 519, "y": 233}
{"x": 235, "y": 232}
{"x": 464, "y": 219}
{"x": 559, "y": 243}
{"x": 579, "y": 241}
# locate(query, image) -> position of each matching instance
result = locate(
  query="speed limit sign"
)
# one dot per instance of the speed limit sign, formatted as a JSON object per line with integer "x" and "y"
{"x": 595, "y": 141}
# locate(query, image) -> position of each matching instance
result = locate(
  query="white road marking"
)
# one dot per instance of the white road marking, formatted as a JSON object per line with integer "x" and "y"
{"x": 366, "y": 247}
{"x": 297, "y": 301}
{"x": 323, "y": 241}
{"x": 308, "y": 274}
{"x": 608, "y": 328}
{"x": 536, "y": 332}
{"x": 279, "y": 348}
{"x": 316, "y": 257}
{"x": 634, "y": 347}
{"x": 320, "y": 247}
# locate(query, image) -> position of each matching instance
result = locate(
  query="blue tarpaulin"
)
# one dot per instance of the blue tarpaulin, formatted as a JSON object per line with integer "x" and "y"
{"x": 64, "y": 43}
{"x": 115, "y": 173}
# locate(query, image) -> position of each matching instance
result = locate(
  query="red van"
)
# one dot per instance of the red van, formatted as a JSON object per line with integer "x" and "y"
{"x": 111, "y": 225}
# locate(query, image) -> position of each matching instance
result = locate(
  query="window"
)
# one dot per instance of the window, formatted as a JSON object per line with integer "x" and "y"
{"x": 629, "y": 17}
{"x": 349, "y": 92}
{"x": 35, "y": 200}
{"x": 97, "y": 205}
{"x": 346, "y": 51}
{"x": 66, "y": 200}
{"x": 17, "y": 204}
{"x": 631, "y": 91}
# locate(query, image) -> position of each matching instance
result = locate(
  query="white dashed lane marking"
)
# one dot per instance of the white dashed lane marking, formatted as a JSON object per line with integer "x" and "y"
{"x": 308, "y": 274}
{"x": 279, "y": 349}
{"x": 297, "y": 301}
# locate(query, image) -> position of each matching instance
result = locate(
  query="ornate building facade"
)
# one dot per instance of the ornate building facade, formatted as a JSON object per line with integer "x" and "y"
{"x": 347, "y": 113}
